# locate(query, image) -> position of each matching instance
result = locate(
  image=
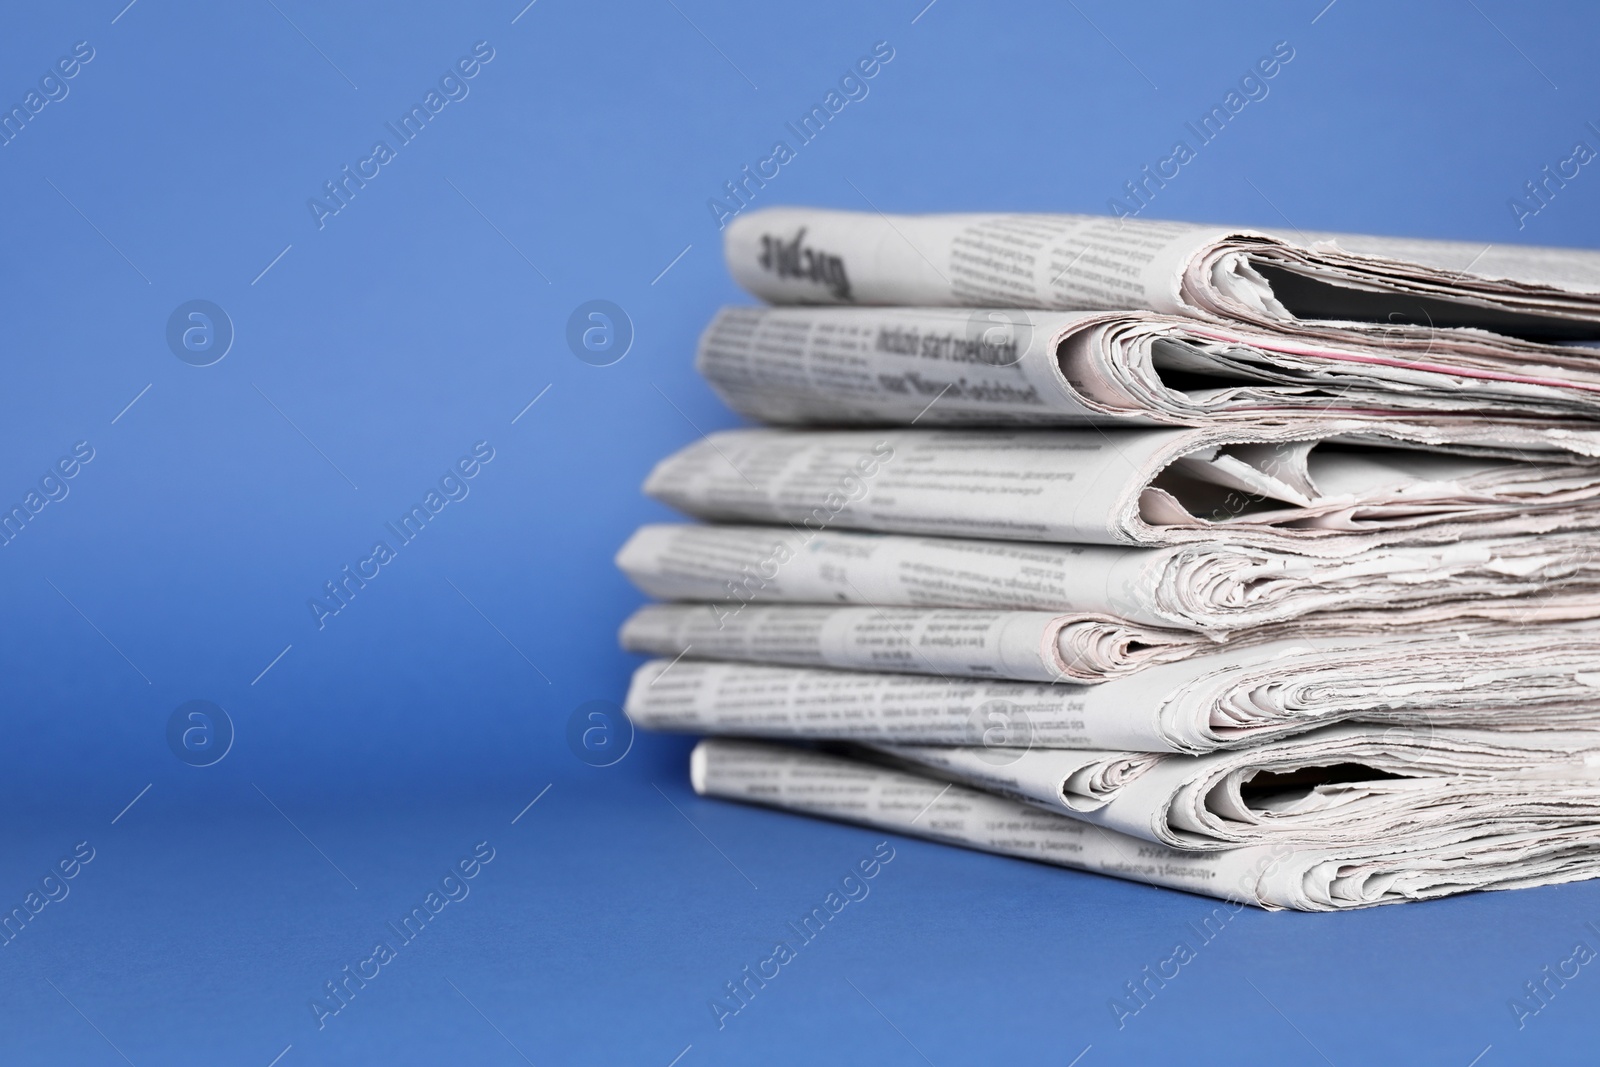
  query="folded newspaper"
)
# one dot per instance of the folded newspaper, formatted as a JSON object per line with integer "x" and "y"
{"x": 1314, "y": 284}
{"x": 1214, "y": 588}
{"x": 1333, "y": 489}
{"x": 1511, "y": 679}
{"x": 1028, "y": 646}
{"x": 1439, "y": 861}
{"x": 940, "y": 366}
{"x": 1345, "y": 785}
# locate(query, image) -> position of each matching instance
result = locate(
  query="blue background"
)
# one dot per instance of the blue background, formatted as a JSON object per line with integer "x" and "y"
{"x": 429, "y": 712}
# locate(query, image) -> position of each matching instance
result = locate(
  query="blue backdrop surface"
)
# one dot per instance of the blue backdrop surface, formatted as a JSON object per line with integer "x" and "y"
{"x": 375, "y": 322}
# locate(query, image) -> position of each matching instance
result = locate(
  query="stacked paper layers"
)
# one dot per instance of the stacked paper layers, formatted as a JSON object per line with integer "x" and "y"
{"x": 1260, "y": 568}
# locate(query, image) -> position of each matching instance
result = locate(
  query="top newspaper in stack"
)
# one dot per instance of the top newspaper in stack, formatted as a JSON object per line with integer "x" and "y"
{"x": 1317, "y": 284}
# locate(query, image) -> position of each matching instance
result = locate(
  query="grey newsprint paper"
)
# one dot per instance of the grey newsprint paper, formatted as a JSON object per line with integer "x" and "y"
{"x": 1214, "y": 588}
{"x": 1320, "y": 285}
{"x": 1335, "y": 488}
{"x": 1011, "y": 366}
{"x": 1273, "y": 876}
{"x": 1027, "y": 646}
{"x": 1513, "y": 679}
{"x": 1348, "y": 784}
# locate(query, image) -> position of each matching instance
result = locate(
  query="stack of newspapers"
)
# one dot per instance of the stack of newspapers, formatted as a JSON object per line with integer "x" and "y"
{"x": 1257, "y": 565}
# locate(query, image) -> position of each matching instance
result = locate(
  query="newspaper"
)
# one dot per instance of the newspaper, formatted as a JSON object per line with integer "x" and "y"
{"x": 1025, "y": 646}
{"x": 1280, "y": 875}
{"x": 1337, "y": 487}
{"x": 1348, "y": 784}
{"x": 1526, "y": 678}
{"x": 1319, "y": 284}
{"x": 940, "y": 366}
{"x": 1216, "y": 588}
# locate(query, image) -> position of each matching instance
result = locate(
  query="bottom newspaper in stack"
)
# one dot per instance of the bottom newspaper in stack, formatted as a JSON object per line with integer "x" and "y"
{"x": 1403, "y": 828}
